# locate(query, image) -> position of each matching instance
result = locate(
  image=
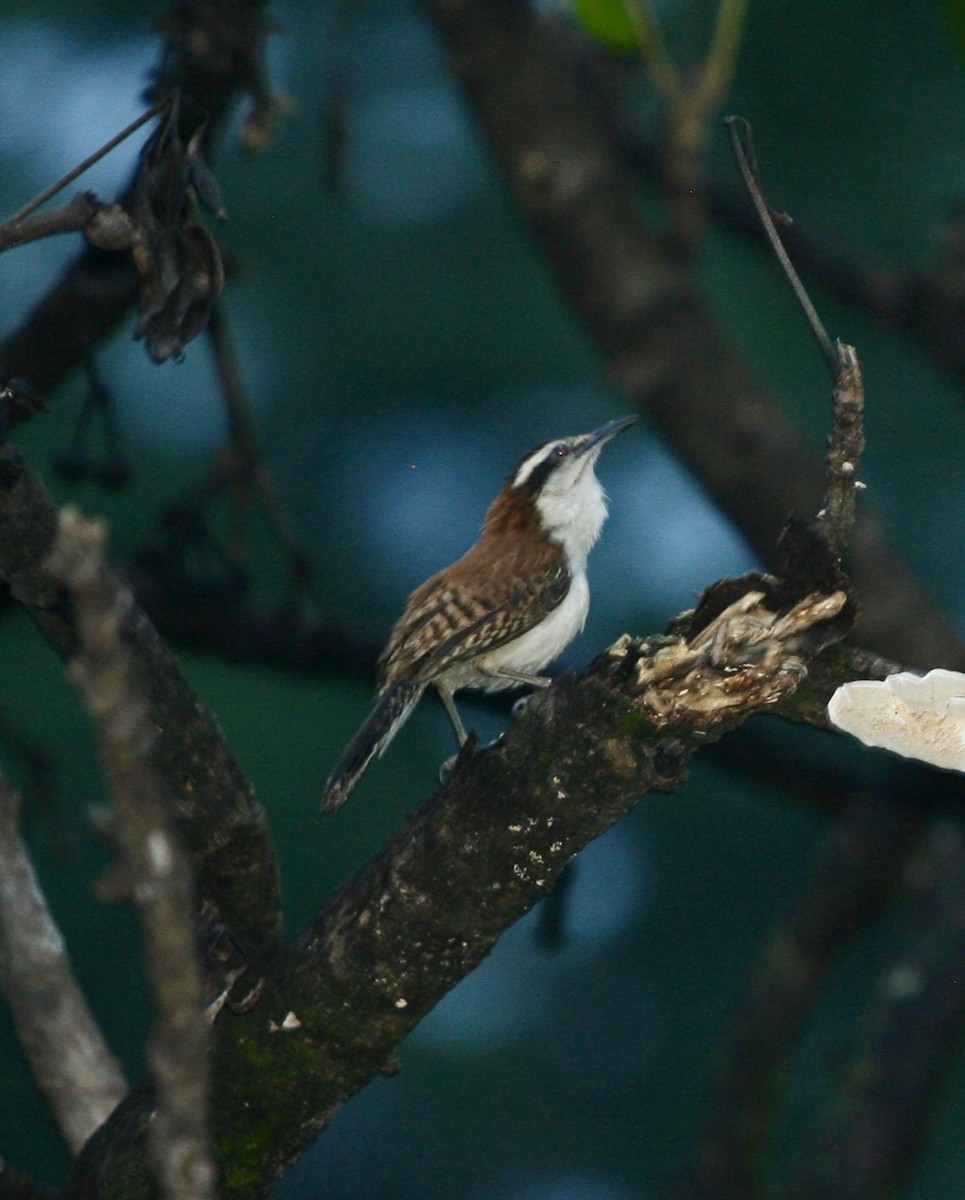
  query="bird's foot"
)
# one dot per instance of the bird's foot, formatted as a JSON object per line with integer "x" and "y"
{"x": 466, "y": 750}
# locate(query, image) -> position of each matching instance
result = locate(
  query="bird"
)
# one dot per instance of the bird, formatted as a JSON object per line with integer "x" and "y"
{"x": 498, "y": 615}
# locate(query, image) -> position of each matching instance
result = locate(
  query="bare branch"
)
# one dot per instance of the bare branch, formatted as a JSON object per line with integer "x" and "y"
{"x": 72, "y": 1064}
{"x": 22, "y": 213}
{"x": 846, "y": 443}
{"x": 740, "y": 136}
{"x": 221, "y": 821}
{"x": 107, "y": 225}
{"x": 925, "y": 304}
{"x": 154, "y": 870}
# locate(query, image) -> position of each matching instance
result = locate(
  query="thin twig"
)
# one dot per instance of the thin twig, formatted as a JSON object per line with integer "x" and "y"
{"x": 88, "y": 162}
{"x": 153, "y": 870}
{"x": 660, "y": 66}
{"x": 75, "y": 1070}
{"x": 212, "y": 53}
{"x": 718, "y": 68}
{"x": 77, "y": 214}
{"x": 925, "y": 304}
{"x": 846, "y": 443}
{"x": 243, "y": 468}
{"x": 740, "y": 136}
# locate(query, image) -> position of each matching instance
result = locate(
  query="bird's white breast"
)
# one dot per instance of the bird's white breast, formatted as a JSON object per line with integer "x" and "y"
{"x": 547, "y": 640}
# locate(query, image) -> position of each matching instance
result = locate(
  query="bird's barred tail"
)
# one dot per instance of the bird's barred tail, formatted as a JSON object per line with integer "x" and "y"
{"x": 383, "y": 722}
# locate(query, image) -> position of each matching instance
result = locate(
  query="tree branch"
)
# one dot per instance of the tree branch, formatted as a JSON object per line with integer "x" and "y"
{"x": 426, "y": 910}
{"x": 72, "y": 217}
{"x": 221, "y": 821}
{"x": 154, "y": 871}
{"x": 432, "y": 903}
{"x": 72, "y": 1064}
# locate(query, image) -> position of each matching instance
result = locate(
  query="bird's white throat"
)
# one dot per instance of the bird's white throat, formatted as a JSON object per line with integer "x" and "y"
{"x": 572, "y": 514}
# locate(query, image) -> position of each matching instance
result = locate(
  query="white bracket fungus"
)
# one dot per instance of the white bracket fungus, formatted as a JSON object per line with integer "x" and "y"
{"x": 917, "y": 716}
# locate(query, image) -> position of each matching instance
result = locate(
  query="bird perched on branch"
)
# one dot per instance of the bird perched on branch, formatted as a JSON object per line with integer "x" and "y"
{"x": 509, "y": 606}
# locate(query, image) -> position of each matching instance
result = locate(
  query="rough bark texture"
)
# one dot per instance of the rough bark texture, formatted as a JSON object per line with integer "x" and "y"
{"x": 221, "y": 821}
{"x": 72, "y": 1064}
{"x": 152, "y": 870}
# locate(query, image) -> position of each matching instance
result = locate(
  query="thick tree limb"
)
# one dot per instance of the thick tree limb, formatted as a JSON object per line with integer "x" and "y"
{"x": 75, "y": 1071}
{"x": 430, "y": 906}
{"x": 221, "y": 821}
{"x": 644, "y": 310}
{"x": 432, "y": 903}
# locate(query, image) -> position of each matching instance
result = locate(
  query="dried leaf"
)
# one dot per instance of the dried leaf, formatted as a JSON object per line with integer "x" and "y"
{"x": 177, "y": 258}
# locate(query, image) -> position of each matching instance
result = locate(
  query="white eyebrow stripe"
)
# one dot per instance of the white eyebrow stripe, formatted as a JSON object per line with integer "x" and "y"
{"x": 528, "y": 465}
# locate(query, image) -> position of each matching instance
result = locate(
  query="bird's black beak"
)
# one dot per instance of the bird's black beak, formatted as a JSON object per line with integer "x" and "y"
{"x": 599, "y": 437}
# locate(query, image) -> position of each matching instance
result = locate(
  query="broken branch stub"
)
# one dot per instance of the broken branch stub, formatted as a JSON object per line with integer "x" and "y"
{"x": 746, "y": 658}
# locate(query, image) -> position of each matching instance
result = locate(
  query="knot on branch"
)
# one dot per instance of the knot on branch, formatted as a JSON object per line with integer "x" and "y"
{"x": 110, "y": 227}
{"x": 747, "y": 657}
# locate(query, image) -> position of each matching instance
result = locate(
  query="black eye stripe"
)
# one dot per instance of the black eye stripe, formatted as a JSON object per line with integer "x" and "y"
{"x": 540, "y": 473}
{"x": 553, "y": 453}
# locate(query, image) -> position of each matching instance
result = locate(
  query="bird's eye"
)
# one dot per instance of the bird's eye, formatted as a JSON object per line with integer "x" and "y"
{"x": 561, "y": 450}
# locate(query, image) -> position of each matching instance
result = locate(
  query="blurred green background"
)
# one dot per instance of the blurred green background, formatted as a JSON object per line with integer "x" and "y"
{"x": 403, "y": 345}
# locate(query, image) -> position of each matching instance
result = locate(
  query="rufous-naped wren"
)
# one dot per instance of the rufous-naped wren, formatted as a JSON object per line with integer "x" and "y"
{"x": 509, "y": 606}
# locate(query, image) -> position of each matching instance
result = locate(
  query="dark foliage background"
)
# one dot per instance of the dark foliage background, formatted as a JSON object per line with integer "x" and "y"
{"x": 402, "y": 343}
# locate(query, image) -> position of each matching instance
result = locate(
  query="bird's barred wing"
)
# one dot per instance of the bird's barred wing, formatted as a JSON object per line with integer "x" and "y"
{"x": 447, "y": 624}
